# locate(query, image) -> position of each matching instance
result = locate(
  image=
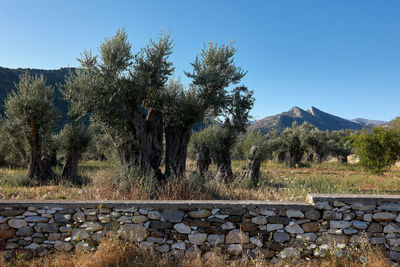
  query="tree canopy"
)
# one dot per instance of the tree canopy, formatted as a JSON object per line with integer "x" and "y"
{"x": 31, "y": 107}
{"x": 378, "y": 149}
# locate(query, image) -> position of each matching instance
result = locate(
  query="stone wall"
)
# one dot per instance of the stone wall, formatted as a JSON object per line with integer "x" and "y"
{"x": 271, "y": 229}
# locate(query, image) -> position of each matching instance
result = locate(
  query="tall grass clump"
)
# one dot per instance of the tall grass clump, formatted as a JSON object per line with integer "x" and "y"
{"x": 128, "y": 179}
{"x": 15, "y": 179}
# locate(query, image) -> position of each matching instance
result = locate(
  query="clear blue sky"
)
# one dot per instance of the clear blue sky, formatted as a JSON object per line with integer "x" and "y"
{"x": 342, "y": 57}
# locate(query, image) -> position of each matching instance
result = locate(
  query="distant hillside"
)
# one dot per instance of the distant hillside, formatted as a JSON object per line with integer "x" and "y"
{"x": 314, "y": 116}
{"x": 370, "y": 123}
{"x": 8, "y": 78}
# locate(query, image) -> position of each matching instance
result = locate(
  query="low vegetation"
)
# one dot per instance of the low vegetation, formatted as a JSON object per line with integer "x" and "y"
{"x": 104, "y": 180}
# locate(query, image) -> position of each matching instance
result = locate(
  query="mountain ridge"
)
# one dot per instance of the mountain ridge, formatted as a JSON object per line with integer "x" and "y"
{"x": 316, "y": 117}
{"x": 370, "y": 122}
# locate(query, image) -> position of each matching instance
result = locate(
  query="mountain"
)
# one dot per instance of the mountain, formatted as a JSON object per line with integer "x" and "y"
{"x": 314, "y": 116}
{"x": 370, "y": 123}
{"x": 8, "y": 78}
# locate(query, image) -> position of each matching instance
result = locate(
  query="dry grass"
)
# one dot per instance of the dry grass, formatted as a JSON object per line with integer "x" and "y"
{"x": 277, "y": 182}
{"x": 114, "y": 253}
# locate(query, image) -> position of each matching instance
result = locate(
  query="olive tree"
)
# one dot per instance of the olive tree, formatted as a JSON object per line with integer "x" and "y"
{"x": 214, "y": 71}
{"x": 200, "y": 151}
{"x": 276, "y": 146}
{"x": 31, "y": 108}
{"x": 129, "y": 96}
{"x": 124, "y": 93}
{"x": 315, "y": 141}
{"x": 101, "y": 146}
{"x": 340, "y": 145}
{"x": 217, "y": 140}
{"x": 74, "y": 138}
{"x": 181, "y": 113}
{"x": 378, "y": 149}
{"x": 256, "y": 150}
{"x": 395, "y": 125}
{"x": 220, "y": 137}
{"x": 291, "y": 139}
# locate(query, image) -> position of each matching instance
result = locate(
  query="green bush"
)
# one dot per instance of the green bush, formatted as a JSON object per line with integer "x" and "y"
{"x": 378, "y": 149}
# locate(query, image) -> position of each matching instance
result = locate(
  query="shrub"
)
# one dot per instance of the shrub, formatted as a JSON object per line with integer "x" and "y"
{"x": 378, "y": 149}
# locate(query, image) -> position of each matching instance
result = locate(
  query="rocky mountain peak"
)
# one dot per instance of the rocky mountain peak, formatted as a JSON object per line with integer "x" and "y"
{"x": 296, "y": 111}
{"x": 313, "y": 110}
{"x": 320, "y": 119}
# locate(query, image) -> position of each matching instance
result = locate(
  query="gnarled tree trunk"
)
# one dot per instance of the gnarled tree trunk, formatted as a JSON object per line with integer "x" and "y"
{"x": 3, "y": 162}
{"x": 309, "y": 157}
{"x": 39, "y": 168}
{"x": 342, "y": 158}
{"x": 102, "y": 157}
{"x": 152, "y": 143}
{"x": 128, "y": 154}
{"x": 224, "y": 165}
{"x": 281, "y": 156}
{"x": 203, "y": 160}
{"x": 70, "y": 169}
{"x": 319, "y": 158}
{"x": 53, "y": 158}
{"x": 252, "y": 170}
{"x": 177, "y": 139}
{"x": 145, "y": 148}
{"x": 295, "y": 156}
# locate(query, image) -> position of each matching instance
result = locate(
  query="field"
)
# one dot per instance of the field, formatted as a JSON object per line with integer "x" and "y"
{"x": 277, "y": 182}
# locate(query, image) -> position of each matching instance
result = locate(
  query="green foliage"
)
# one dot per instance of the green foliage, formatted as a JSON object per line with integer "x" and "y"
{"x": 395, "y": 125}
{"x": 30, "y": 109}
{"x": 309, "y": 143}
{"x": 340, "y": 144}
{"x": 246, "y": 141}
{"x": 182, "y": 106}
{"x": 13, "y": 145}
{"x": 215, "y": 137}
{"x": 237, "y": 109}
{"x": 292, "y": 141}
{"x": 151, "y": 70}
{"x": 378, "y": 149}
{"x": 31, "y": 106}
{"x": 74, "y": 136}
{"x": 316, "y": 141}
{"x": 129, "y": 96}
{"x": 103, "y": 85}
{"x": 101, "y": 146}
{"x": 119, "y": 88}
{"x": 8, "y": 78}
{"x": 212, "y": 73}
